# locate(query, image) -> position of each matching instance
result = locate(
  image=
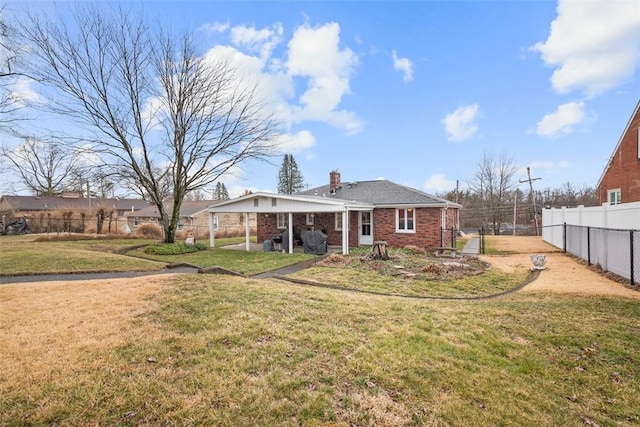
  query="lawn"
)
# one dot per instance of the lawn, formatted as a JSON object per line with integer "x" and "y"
{"x": 24, "y": 255}
{"x": 207, "y": 350}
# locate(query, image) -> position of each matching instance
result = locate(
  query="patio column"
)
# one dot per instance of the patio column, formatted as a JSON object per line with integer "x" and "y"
{"x": 290, "y": 232}
{"x": 247, "y": 232}
{"x": 212, "y": 231}
{"x": 345, "y": 231}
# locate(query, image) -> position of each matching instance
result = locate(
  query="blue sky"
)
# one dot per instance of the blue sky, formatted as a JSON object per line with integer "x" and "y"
{"x": 416, "y": 92}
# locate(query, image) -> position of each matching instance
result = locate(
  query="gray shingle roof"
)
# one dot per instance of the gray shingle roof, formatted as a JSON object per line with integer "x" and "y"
{"x": 379, "y": 193}
{"x": 34, "y": 203}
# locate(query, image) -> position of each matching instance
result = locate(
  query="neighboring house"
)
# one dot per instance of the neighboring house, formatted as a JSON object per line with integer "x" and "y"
{"x": 194, "y": 216}
{"x": 620, "y": 180}
{"x": 353, "y": 214}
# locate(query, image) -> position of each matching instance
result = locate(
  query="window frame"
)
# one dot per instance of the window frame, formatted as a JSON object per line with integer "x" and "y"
{"x": 309, "y": 218}
{"x": 406, "y": 229}
{"x": 215, "y": 223}
{"x": 337, "y": 222}
{"x": 281, "y": 220}
{"x": 618, "y": 194}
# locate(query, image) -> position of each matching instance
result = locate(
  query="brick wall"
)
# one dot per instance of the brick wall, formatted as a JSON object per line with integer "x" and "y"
{"x": 427, "y": 235}
{"x": 624, "y": 168}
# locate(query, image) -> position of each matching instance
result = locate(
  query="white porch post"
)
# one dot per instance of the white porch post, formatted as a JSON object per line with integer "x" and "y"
{"x": 212, "y": 231}
{"x": 246, "y": 232}
{"x": 290, "y": 232}
{"x": 345, "y": 231}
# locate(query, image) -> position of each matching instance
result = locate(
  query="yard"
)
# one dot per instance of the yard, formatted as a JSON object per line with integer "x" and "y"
{"x": 219, "y": 350}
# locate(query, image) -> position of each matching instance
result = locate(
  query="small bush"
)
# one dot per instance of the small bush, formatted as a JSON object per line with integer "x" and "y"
{"x": 177, "y": 248}
{"x": 149, "y": 231}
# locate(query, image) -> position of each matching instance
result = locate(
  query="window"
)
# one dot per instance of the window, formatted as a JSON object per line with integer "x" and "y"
{"x": 405, "y": 220}
{"x": 215, "y": 223}
{"x": 281, "y": 220}
{"x": 255, "y": 203}
{"x": 274, "y": 201}
{"x": 615, "y": 196}
{"x": 310, "y": 218}
{"x": 180, "y": 224}
{"x": 136, "y": 221}
{"x": 338, "y": 222}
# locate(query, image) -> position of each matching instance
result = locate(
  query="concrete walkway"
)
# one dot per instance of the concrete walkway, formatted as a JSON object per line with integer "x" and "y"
{"x": 472, "y": 247}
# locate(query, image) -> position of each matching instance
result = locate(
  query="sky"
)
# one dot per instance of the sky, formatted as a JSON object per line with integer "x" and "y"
{"x": 417, "y": 91}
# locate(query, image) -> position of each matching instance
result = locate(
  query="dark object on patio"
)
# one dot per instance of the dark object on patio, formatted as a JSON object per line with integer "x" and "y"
{"x": 285, "y": 239}
{"x": 314, "y": 242}
{"x": 267, "y": 246}
{"x": 19, "y": 226}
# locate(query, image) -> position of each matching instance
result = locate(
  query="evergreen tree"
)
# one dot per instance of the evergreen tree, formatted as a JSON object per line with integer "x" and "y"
{"x": 290, "y": 178}
{"x": 220, "y": 193}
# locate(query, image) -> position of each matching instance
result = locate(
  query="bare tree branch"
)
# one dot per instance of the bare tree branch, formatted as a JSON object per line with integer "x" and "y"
{"x": 161, "y": 112}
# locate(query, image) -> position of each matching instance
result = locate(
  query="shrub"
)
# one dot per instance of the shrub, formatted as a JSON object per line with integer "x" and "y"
{"x": 177, "y": 248}
{"x": 149, "y": 231}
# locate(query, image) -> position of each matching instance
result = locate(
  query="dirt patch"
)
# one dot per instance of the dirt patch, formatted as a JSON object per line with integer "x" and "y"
{"x": 563, "y": 273}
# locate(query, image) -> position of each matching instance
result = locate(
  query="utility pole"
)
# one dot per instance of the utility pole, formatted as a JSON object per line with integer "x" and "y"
{"x": 533, "y": 198}
{"x": 457, "y": 189}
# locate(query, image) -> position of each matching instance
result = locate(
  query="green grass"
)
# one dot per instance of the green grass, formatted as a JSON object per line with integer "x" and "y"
{"x": 21, "y": 255}
{"x": 232, "y": 351}
{"x": 241, "y": 261}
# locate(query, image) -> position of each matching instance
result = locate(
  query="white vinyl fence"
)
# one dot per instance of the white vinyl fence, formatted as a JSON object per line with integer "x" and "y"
{"x": 607, "y": 236}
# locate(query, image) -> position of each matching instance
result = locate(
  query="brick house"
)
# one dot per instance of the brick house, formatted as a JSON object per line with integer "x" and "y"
{"x": 620, "y": 180}
{"x": 353, "y": 214}
{"x": 194, "y": 217}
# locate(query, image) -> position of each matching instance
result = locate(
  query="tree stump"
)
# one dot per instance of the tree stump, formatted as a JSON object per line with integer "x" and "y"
{"x": 379, "y": 250}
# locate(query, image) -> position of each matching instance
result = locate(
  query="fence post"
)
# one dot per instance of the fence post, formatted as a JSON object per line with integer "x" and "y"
{"x": 588, "y": 245}
{"x": 631, "y": 275}
{"x": 564, "y": 237}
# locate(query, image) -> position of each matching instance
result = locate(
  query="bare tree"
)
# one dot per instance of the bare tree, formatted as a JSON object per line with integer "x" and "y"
{"x": 44, "y": 167}
{"x": 9, "y": 71}
{"x": 161, "y": 112}
{"x": 493, "y": 181}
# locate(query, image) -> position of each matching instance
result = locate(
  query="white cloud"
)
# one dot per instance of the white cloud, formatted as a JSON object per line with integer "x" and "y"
{"x": 562, "y": 121}
{"x": 438, "y": 183}
{"x": 215, "y": 27}
{"x": 594, "y": 45}
{"x": 262, "y": 41}
{"x": 22, "y": 93}
{"x": 461, "y": 124}
{"x": 294, "y": 143}
{"x": 403, "y": 64}
{"x": 315, "y": 54}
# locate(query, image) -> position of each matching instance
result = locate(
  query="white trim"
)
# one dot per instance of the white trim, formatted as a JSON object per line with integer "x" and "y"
{"x": 617, "y": 193}
{"x": 281, "y": 221}
{"x": 615, "y": 150}
{"x": 406, "y": 229}
{"x": 338, "y": 224}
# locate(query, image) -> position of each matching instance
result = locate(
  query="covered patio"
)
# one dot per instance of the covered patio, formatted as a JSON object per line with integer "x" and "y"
{"x": 279, "y": 209}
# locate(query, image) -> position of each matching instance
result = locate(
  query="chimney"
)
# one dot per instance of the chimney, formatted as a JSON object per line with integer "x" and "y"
{"x": 334, "y": 181}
